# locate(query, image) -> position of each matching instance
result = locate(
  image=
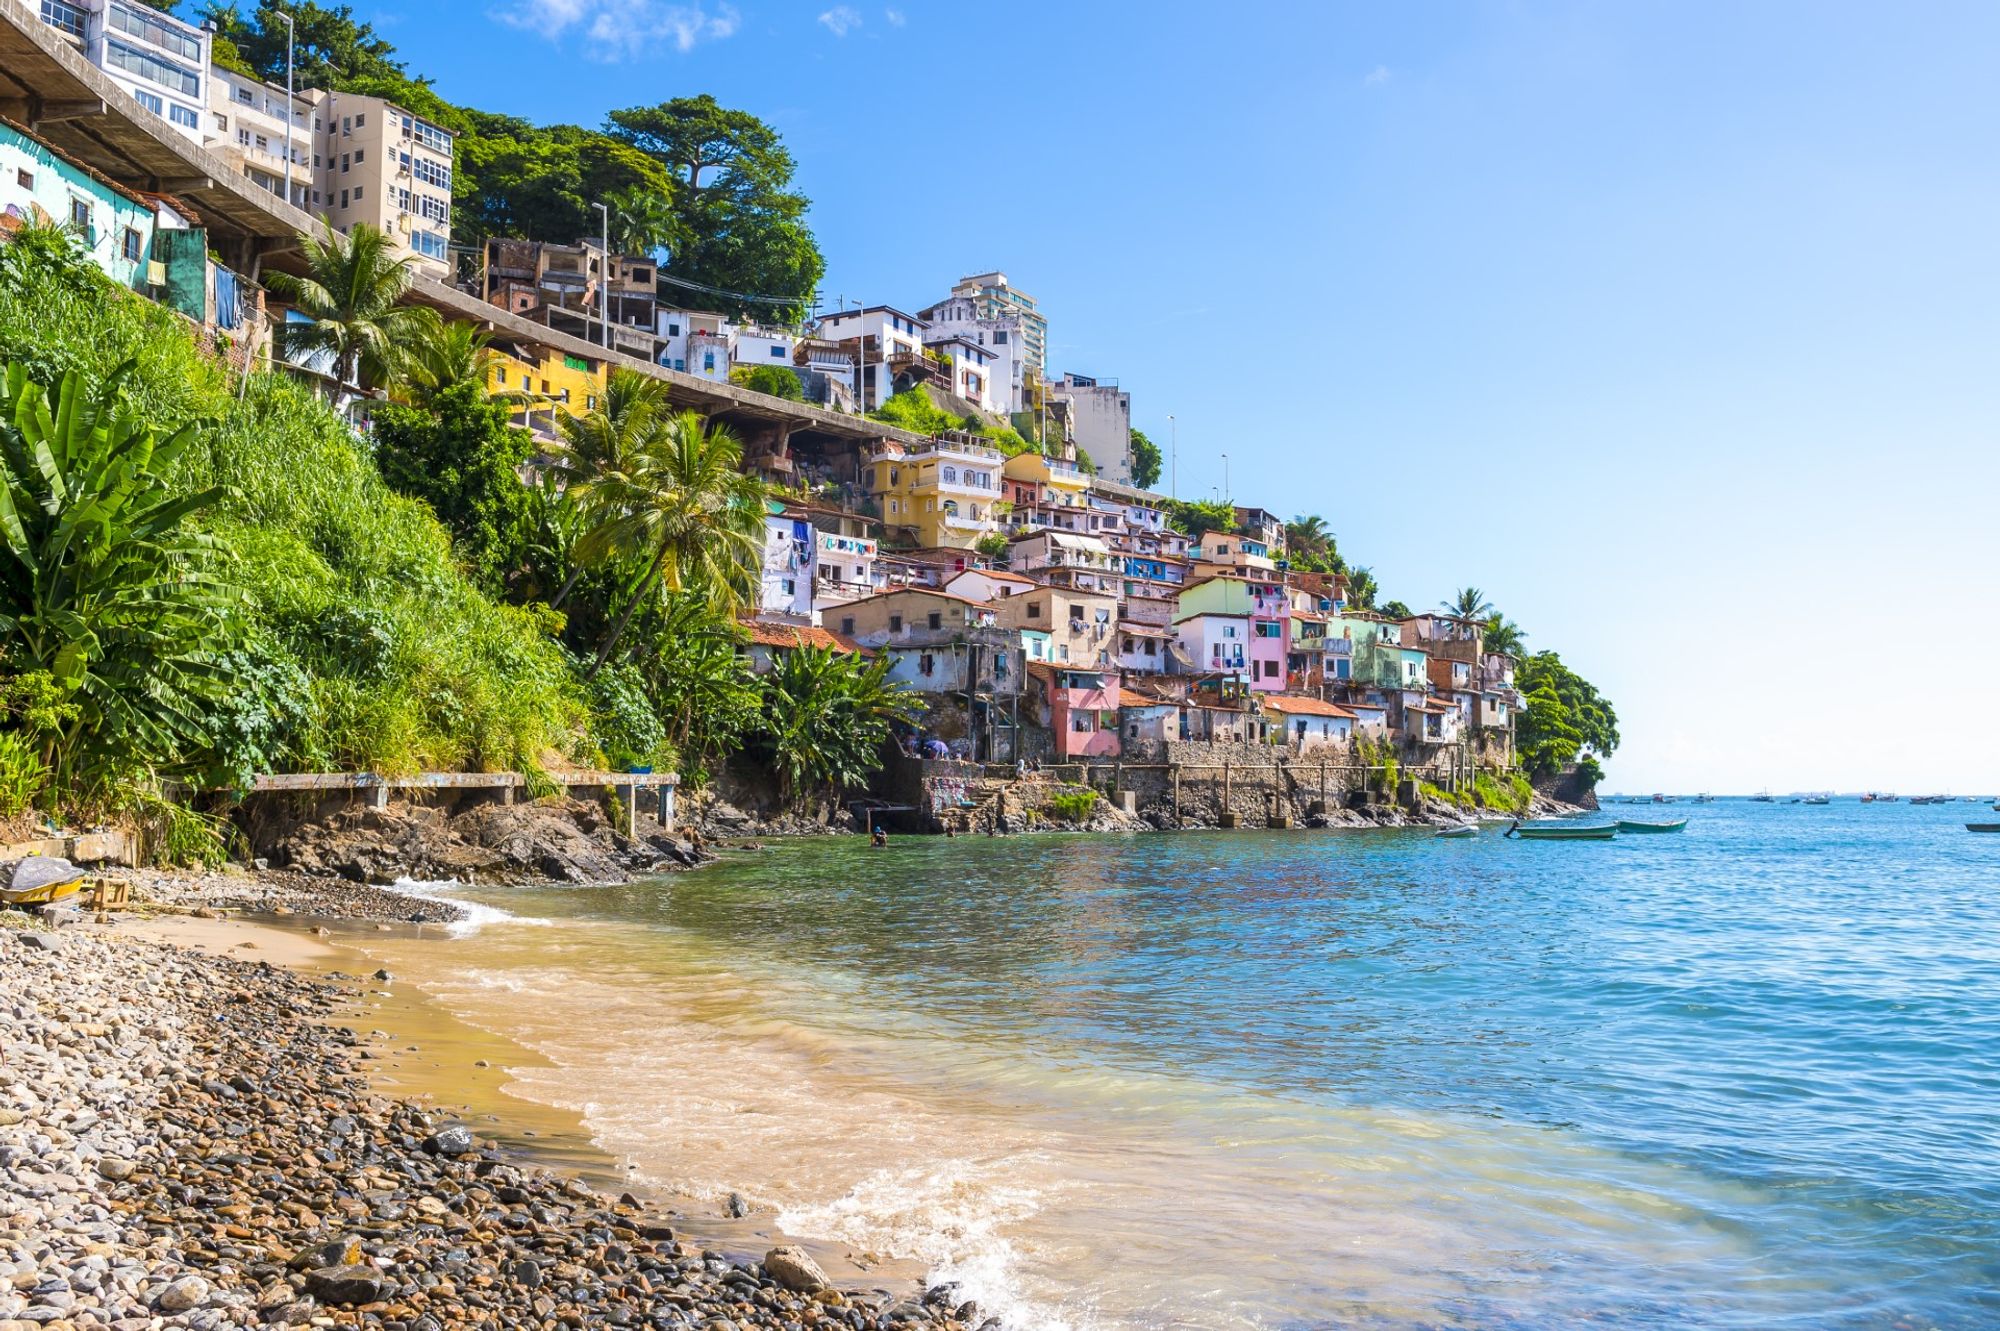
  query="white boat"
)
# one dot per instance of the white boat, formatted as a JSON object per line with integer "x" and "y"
{"x": 1463, "y": 829}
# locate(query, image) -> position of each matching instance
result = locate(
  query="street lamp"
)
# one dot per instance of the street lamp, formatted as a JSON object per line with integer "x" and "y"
{"x": 291, "y": 40}
{"x": 1174, "y": 427}
{"x": 1228, "y": 495}
{"x": 604, "y": 279}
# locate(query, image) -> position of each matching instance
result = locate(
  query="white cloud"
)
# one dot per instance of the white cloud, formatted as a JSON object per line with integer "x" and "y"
{"x": 622, "y": 29}
{"x": 841, "y": 20}
{"x": 1377, "y": 77}
{"x": 896, "y": 17}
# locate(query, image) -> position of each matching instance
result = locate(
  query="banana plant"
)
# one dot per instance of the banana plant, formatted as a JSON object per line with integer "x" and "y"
{"x": 103, "y": 583}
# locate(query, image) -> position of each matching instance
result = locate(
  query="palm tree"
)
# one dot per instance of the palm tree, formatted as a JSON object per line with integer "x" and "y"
{"x": 679, "y": 508}
{"x": 349, "y": 296}
{"x": 603, "y": 442}
{"x": 1468, "y": 603}
{"x": 1504, "y": 635}
{"x": 1362, "y": 588}
{"x": 642, "y": 221}
{"x": 454, "y": 353}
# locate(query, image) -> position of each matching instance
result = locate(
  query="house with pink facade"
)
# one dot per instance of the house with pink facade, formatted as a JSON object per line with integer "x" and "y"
{"x": 1266, "y": 611}
{"x": 1078, "y": 707}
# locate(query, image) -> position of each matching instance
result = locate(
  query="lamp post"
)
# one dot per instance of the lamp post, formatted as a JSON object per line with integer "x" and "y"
{"x": 1174, "y": 430}
{"x": 291, "y": 41}
{"x": 1228, "y": 495}
{"x": 604, "y": 279}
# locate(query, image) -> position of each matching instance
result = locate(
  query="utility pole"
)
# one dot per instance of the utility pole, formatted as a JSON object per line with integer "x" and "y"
{"x": 604, "y": 279}
{"x": 1174, "y": 427}
{"x": 291, "y": 42}
{"x": 1228, "y": 495}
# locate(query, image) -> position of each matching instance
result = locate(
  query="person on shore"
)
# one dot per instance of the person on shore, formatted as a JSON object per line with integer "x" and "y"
{"x": 878, "y": 839}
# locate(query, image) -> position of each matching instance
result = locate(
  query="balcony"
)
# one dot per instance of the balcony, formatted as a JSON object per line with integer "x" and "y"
{"x": 64, "y": 18}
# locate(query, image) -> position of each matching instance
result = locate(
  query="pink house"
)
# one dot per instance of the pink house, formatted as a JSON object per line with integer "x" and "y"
{"x": 1080, "y": 708}
{"x": 1266, "y": 611}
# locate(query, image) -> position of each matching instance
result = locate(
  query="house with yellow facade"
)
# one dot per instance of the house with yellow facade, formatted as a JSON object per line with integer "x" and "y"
{"x": 942, "y": 494}
{"x": 554, "y": 382}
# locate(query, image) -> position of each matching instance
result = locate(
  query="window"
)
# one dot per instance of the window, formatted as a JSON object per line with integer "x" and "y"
{"x": 361, "y": 120}
{"x": 500, "y": 376}
{"x": 25, "y": 179}
{"x": 999, "y": 339}
{"x": 150, "y": 28}
{"x": 673, "y": 330}
{"x": 134, "y": 244}
{"x": 895, "y": 623}
{"x": 184, "y": 116}
{"x": 357, "y": 192}
{"x": 847, "y": 625}
{"x": 347, "y": 124}
{"x": 430, "y": 136}
{"x": 150, "y": 67}
{"x": 431, "y": 173}
{"x": 359, "y": 155}
{"x": 79, "y": 214}
{"x": 1034, "y": 610}
{"x": 263, "y": 144}
{"x": 150, "y": 101}
{"x": 641, "y": 275}
{"x": 343, "y": 198}
{"x": 221, "y": 123}
{"x": 936, "y": 620}
{"x": 778, "y": 353}
{"x": 1270, "y": 669}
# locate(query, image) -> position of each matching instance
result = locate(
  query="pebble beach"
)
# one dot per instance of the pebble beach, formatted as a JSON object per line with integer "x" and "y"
{"x": 191, "y": 1140}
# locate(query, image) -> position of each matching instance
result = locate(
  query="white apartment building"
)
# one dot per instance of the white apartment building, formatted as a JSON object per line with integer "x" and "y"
{"x": 994, "y": 298}
{"x": 1004, "y": 336}
{"x": 247, "y": 121}
{"x": 889, "y": 338}
{"x": 1100, "y": 417}
{"x": 374, "y": 162}
{"x": 161, "y": 61}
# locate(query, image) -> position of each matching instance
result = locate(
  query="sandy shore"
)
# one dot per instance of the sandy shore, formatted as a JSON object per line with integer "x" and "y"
{"x": 189, "y": 1138}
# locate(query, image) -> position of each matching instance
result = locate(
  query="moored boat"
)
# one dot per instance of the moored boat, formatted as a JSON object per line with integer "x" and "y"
{"x": 1982, "y": 827}
{"x": 1763, "y": 797}
{"x": 1818, "y": 799}
{"x": 1563, "y": 832}
{"x": 1626, "y": 825}
{"x": 40, "y": 880}
{"x": 1462, "y": 829}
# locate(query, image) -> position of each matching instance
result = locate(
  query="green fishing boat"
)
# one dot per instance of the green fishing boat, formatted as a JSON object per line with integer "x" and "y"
{"x": 1562, "y": 832}
{"x": 1625, "y": 825}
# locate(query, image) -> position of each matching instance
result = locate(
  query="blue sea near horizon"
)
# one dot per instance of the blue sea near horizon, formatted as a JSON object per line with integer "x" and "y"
{"x": 1743, "y": 1076}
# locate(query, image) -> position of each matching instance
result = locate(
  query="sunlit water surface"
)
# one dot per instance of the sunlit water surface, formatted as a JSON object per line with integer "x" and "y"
{"x": 1746, "y": 1076}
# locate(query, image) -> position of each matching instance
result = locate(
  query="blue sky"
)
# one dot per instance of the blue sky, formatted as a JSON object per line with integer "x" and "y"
{"x": 1671, "y": 326}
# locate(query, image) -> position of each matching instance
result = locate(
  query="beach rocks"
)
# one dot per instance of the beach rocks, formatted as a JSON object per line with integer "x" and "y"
{"x": 185, "y": 1141}
{"x": 795, "y": 1270}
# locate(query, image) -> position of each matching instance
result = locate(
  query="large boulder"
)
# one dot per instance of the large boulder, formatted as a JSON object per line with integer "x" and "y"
{"x": 795, "y": 1269}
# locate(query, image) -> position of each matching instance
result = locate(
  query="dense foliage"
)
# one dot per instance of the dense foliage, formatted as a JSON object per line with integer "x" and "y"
{"x": 1146, "y": 461}
{"x": 776, "y": 380}
{"x": 1566, "y": 719}
{"x": 1198, "y": 517}
{"x": 457, "y": 453}
{"x": 826, "y": 716}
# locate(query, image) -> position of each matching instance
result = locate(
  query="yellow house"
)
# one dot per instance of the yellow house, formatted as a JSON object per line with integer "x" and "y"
{"x": 945, "y": 493}
{"x": 570, "y": 383}
{"x": 1036, "y": 480}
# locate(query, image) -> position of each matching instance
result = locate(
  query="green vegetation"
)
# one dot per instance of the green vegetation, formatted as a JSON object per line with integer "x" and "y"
{"x": 825, "y": 718}
{"x": 993, "y": 545}
{"x": 1566, "y": 720}
{"x": 316, "y": 619}
{"x": 1362, "y": 589}
{"x": 1146, "y": 461}
{"x": 710, "y": 186}
{"x": 1309, "y": 545}
{"x": 1198, "y": 517}
{"x": 1395, "y": 610}
{"x": 355, "y": 329}
{"x": 1443, "y": 796}
{"x": 458, "y": 454}
{"x": 1074, "y": 806}
{"x": 775, "y": 380}
{"x": 1513, "y": 794}
{"x": 1468, "y": 603}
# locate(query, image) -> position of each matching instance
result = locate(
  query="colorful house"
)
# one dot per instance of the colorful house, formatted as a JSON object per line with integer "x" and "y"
{"x": 1082, "y": 626}
{"x": 791, "y": 555}
{"x": 1216, "y": 643}
{"x": 40, "y": 185}
{"x": 943, "y": 493}
{"x": 1079, "y": 708}
{"x": 1308, "y": 723}
{"x": 1268, "y": 610}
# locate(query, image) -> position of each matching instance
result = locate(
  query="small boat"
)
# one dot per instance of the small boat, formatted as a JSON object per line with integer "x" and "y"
{"x": 1462, "y": 829}
{"x": 1562, "y": 832}
{"x": 1704, "y": 799}
{"x": 1625, "y": 825}
{"x": 1982, "y": 827}
{"x": 1818, "y": 799}
{"x": 40, "y": 880}
{"x": 1763, "y": 797}
{"x": 1930, "y": 799}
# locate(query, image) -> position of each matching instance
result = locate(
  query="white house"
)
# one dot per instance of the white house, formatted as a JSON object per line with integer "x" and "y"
{"x": 161, "y": 61}
{"x": 753, "y": 345}
{"x": 1142, "y": 648}
{"x": 971, "y": 369}
{"x": 1003, "y": 336}
{"x": 791, "y": 551}
{"x": 988, "y": 584}
{"x": 1147, "y": 719}
{"x": 697, "y": 342}
{"x": 888, "y": 338}
{"x": 1307, "y": 723}
{"x": 1216, "y": 643}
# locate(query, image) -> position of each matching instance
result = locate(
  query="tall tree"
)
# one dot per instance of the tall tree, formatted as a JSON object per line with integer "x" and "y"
{"x": 1468, "y": 603}
{"x": 1504, "y": 635}
{"x": 1309, "y": 545}
{"x": 1362, "y": 589}
{"x": 349, "y": 295}
{"x": 1566, "y": 717}
{"x": 455, "y": 354}
{"x": 457, "y": 453}
{"x": 681, "y": 513}
{"x": 1146, "y": 461}
{"x": 598, "y": 446}
{"x": 517, "y": 179}
{"x": 332, "y": 47}
{"x": 741, "y": 226}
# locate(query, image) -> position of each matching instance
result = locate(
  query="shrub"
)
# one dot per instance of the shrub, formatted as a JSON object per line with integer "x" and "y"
{"x": 1074, "y": 806}
{"x": 22, "y": 775}
{"x": 775, "y": 380}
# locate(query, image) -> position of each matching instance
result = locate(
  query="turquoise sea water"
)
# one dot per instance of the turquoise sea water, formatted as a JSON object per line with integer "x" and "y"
{"x": 1746, "y": 1076}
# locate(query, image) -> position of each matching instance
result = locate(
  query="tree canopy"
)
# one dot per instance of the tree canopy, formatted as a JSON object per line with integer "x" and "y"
{"x": 1565, "y": 717}
{"x": 1146, "y": 461}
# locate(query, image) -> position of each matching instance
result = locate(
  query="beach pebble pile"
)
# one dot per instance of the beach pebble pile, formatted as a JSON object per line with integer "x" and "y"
{"x": 185, "y": 1142}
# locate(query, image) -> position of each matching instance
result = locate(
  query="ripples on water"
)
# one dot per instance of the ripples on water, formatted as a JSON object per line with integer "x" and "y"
{"x": 1748, "y": 1076}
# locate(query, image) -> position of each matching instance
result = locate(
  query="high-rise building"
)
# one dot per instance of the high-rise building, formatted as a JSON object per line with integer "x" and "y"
{"x": 247, "y": 124}
{"x": 1100, "y": 420}
{"x": 995, "y": 298}
{"x": 161, "y": 61}
{"x": 374, "y": 162}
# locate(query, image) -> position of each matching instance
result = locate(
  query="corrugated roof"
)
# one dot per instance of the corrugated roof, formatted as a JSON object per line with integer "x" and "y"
{"x": 1279, "y": 702}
